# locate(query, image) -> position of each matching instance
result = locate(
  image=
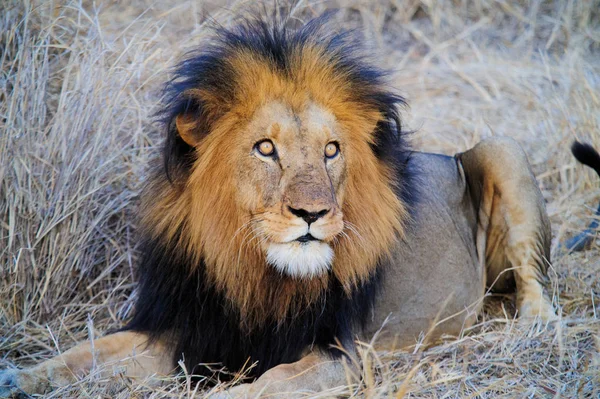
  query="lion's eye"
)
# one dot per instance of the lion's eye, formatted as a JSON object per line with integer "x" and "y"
{"x": 265, "y": 148}
{"x": 332, "y": 150}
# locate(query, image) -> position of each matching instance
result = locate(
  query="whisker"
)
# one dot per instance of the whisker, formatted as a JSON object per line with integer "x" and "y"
{"x": 246, "y": 241}
{"x": 354, "y": 229}
{"x": 345, "y": 235}
{"x": 238, "y": 231}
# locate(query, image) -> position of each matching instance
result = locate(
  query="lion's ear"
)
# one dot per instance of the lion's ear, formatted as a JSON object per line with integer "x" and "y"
{"x": 187, "y": 127}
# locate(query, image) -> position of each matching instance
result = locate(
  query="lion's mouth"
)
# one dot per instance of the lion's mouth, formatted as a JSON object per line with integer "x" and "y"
{"x": 306, "y": 238}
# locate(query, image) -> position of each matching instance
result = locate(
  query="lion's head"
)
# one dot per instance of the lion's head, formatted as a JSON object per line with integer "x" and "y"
{"x": 282, "y": 150}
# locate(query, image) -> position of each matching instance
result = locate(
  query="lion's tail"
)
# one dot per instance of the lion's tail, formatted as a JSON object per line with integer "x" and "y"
{"x": 587, "y": 155}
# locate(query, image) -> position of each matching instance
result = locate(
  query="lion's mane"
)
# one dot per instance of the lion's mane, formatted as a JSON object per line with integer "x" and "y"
{"x": 194, "y": 290}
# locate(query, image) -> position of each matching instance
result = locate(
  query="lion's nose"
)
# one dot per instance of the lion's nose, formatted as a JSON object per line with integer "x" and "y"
{"x": 309, "y": 217}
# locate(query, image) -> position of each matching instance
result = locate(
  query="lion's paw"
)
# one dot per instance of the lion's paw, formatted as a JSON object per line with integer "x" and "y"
{"x": 540, "y": 308}
{"x": 257, "y": 389}
{"x": 16, "y": 383}
{"x": 241, "y": 391}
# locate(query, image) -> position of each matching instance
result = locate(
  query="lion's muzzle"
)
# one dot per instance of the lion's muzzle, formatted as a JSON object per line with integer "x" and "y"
{"x": 314, "y": 220}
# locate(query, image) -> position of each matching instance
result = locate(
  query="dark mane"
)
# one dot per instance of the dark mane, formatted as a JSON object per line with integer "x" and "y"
{"x": 176, "y": 301}
{"x": 205, "y": 329}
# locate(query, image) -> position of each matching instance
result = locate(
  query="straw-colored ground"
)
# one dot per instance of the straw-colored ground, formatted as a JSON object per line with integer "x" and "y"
{"x": 79, "y": 81}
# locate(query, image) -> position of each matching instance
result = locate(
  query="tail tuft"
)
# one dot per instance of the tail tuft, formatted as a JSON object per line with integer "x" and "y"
{"x": 587, "y": 155}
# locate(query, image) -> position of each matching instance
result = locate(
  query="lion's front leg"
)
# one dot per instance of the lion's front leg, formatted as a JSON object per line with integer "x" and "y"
{"x": 513, "y": 228}
{"x": 126, "y": 352}
{"x": 313, "y": 373}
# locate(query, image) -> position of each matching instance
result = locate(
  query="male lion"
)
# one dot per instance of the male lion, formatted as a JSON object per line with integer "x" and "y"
{"x": 291, "y": 218}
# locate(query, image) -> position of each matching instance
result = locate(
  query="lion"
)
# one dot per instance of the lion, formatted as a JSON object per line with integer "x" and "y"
{"x": 291, "y": 218}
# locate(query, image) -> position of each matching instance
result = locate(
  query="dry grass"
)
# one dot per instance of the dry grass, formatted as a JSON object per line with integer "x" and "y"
{"x": 79, "y": 82}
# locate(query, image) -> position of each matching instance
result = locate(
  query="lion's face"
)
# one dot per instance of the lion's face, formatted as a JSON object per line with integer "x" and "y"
{"x": 290, "y": 178}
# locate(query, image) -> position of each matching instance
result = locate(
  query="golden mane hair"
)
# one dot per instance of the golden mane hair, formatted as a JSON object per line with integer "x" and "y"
{"x": 194, "y": 232}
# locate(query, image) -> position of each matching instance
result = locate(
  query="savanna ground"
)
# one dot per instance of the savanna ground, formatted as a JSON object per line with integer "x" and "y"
{"x": 80, "y": 80}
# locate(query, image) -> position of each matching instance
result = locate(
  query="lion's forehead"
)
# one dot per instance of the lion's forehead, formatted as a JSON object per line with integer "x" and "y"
{"x": 293, "y": 128}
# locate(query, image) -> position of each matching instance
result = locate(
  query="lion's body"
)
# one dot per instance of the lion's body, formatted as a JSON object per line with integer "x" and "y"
{"x": 293, "y": 218}
{"x": 435, "y": 271}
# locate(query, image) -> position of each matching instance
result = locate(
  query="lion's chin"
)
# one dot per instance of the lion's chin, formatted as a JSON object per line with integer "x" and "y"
{"x": 300, "y": 260}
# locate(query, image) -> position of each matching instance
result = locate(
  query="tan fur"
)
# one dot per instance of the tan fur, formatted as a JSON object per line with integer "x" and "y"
{"x": 125, "y": 352}
{"x": 312, "y": 373}
{"x": 512, "y": 215}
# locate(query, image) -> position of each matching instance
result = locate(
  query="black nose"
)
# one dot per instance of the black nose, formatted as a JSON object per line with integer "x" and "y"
{"x": 309, "y": 217}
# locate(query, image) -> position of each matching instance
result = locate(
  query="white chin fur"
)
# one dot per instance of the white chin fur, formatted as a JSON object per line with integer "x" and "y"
{"x": 301, "y": 260}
